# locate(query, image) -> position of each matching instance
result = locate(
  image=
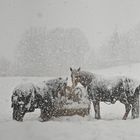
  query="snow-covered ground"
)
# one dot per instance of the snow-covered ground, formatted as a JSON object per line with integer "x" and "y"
{"x": 110, "y": 127}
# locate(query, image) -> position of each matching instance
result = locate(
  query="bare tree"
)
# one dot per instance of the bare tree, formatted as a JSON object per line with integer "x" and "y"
{"x": 50, "y": 53}
{"x": 30, "y": 59}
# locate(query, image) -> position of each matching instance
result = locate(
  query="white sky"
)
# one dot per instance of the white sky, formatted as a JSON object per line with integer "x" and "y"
{"x": 96, "y": 18}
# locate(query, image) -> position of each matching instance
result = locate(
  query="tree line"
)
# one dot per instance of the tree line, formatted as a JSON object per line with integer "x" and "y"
{"x": 42, "y": 52}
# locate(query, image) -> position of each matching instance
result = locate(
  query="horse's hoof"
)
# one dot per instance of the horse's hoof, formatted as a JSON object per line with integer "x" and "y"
{"x": 41, "y": 119}
{"x": 123, "y": 118}
{"x": 98, "y": 118}
{"x": 134, "y": 117}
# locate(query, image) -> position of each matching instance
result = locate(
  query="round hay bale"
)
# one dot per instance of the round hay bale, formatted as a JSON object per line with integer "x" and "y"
{"x": 77, "y": 104}
{"x": 71, "y": 111}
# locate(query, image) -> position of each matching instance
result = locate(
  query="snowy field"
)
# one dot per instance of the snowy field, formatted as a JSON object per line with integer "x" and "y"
{"x": 110, "y": 127}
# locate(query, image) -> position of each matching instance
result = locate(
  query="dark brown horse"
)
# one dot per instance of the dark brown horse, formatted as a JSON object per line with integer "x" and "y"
{"x": 27, "y": 97}
{"x": 110, "y": 90}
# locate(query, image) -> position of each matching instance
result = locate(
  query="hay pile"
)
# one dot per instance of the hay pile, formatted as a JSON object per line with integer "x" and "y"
{"x": 75, "y": 103}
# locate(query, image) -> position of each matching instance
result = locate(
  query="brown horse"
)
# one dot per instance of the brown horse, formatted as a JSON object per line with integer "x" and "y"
{"x": 110, "y": 90}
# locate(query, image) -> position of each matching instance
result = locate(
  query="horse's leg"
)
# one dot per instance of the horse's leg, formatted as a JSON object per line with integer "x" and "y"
{"x": 124, "y": 100}
{"x": 14, "y": 113}
{"x": 44, "y": 116}
{"x": 135, "y": 107}
{"x": 127, "y": 110}
{"x": 96, "y": 105}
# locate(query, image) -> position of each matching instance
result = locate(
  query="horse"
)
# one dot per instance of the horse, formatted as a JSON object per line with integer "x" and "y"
{"x": 48, "y": 96}
{"x": 28, "y": 96}
{"x": 109, "y": 89}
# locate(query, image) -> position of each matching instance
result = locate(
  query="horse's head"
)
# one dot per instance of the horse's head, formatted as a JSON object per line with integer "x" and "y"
{"x": 75, "y": 76}
{"x": 19, "y": 108}
{"x": 23, "y": 100}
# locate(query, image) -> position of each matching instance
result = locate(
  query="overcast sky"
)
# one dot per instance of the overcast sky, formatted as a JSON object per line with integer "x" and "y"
{"x": 96, "y": 18}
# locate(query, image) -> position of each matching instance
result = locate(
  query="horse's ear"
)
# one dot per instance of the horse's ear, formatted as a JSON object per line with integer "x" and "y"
{"x": 79, "y": 69}
{"x": 70, "y": 69}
